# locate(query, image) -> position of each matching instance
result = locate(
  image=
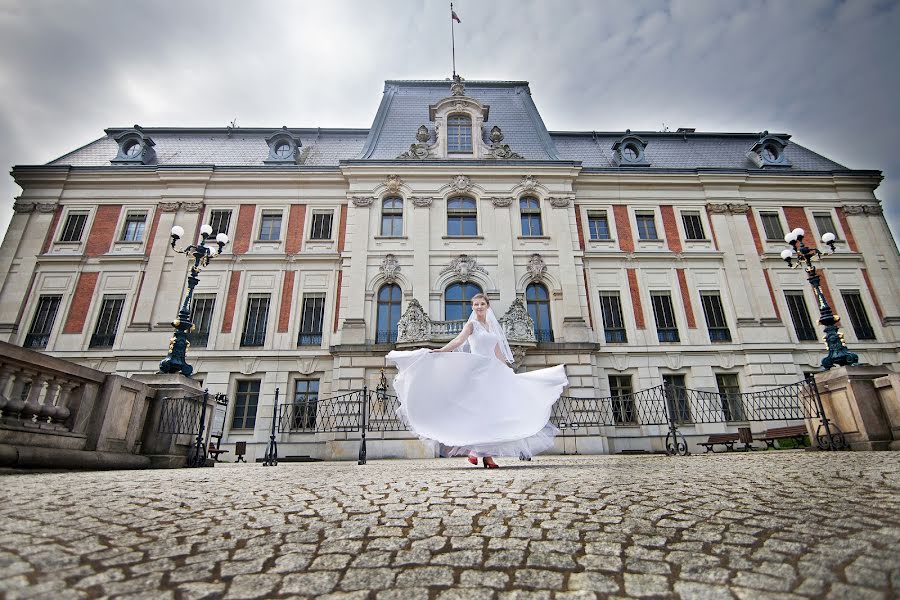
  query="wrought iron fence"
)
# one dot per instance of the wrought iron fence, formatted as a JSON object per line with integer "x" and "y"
{"x": 180, "y": 415}
{"x": 335, "y": 414}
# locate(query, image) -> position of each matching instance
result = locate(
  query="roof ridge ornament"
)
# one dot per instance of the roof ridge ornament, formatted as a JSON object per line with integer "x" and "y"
{"x": 457, "y": 88}
{"x": 421, "y": 149}
{"x": 501, "y": 151}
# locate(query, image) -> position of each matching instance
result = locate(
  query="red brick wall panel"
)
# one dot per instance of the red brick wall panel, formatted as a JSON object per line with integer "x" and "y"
{"x": 231, "y": 301}
{"x": 337, "y": 300}
{"x": 623, "y": 228}
{"x": 771, "y": 293}
{"x": 636, "y": 299}
{"x": 243, "y": 229}
{"x": 796, "y": 217}
{"x": 587, "y": 292}
{"x": 712, "y": 230}
{"x": 673, "y": 239}
{"x": 686, "y": 298}
{"x": 342, "y": 234}
{"x": 294, "y": 238}
{"x": 152, "y": 235}
{"x": 754, "y": 230}
{"x": 48, "y": 239}
{"x": 103, "y": 230}
{"x": 848, "y": 233}
{"x": 579, "y": 229}
{"x": 287, "y": 297}
{"x": 868, "y": 281}
{"x": 81, "y": 302}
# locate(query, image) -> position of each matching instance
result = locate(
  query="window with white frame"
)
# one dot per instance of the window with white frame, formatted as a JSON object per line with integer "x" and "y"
{"x": 219, "y": 220}
{"x": 74, "y": 226}
{"x": 613, "y": 321}
{"x": 133, "y": 229}
{"x": 646, "y": 225}
{"x": 772, "y": 226}
{"x": 858, "y": 317}
{"x": 664, "y": 312}
{"x": 693, "y": 226}
{"x": 108, "y": 322}
{"x": 312, "y": 317}
{"x": 459, "y": 134}
{"x": 42, "y": 323}
{"x": 321, "y": 225}
{"x": 462, "y": 217}
{"x": 256, "y": 321}
{"x": 270, "y": 226}
{"x": 598, "y": 225}
{"x": 530, "y": 212}
{"x": 824, "y": 224}
{"x": 392, "y": 217}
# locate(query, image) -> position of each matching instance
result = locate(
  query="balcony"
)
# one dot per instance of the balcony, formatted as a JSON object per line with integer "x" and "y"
{"x": 416, "y": 327}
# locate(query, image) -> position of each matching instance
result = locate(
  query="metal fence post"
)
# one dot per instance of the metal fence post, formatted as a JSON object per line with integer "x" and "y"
{"x": 197, "y": 457}
{"x": 271, "y": 457}
{"x": 364, "y": 402}
{"x": 674, "y": 445}
{"x": 829, "y": 441}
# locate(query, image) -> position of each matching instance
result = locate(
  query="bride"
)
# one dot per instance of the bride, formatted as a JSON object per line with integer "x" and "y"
{"x": 471, "y": 400}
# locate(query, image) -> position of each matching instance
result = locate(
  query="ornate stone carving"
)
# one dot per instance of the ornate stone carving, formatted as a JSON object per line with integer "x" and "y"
{"x": 415, "y": 152}
{"x": 422, "y": 134}
{"x": 724, "y": 208}
{"x": 496, "y": 134}
{"x": 853, "y": 209}
{"x": 421, "y": 201}
{"x": 536, "y": 267}
{"x": 362, "y": 201}
{"x": 463, "y": 267}
{"x": 529, "y": 182}
{"x": 192, "y": 206}
{"x": 23, "y": 207}
{"x": 518, "y": 353}
{"x": 458, "y": 88}
{"x": 393, "y": 183}
{"x": 414, "y": 325}
{"x": 168, "y": 206}
{"x": 390, "y": 268}
{"x": 499, "y": 150}
{"x": 501, "y": 202}
{"x": 517, "y": 324}
{"x": 558, "y": 202}
{"x": 47, "y": 207}
{"x": 461, "y": 183}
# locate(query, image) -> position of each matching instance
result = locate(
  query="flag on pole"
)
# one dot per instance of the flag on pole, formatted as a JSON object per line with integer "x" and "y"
{"x": 453, "y": 16}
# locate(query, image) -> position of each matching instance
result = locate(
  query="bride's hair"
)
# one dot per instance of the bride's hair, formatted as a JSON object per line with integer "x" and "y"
{"x": 482, "y": 297}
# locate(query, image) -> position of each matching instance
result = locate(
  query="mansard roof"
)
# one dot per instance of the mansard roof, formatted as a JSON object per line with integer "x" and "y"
{"x": 405, "y": 106}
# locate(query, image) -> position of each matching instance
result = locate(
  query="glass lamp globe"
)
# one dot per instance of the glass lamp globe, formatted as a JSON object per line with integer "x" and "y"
{"x": 798, "y": 232}
{"x": 177, "y": 231}
{"x": 829, "y": 237}
{"x": 206, "y": 229}
{"x": 222, "y": 238}
{"x": 787, "y": 253}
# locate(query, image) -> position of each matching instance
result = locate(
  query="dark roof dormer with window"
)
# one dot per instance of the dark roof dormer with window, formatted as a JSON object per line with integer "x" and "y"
{"x": 628, "y": 151}
{"x": 284, "y": 148}
{"x": 134, "y": 147}
{"x": 768, "y": 151}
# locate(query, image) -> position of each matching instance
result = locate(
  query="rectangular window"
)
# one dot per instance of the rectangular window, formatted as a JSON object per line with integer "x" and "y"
{"x": 42, "y": 324}
{"x": 108, "y": 322}
{"x": 311, "y": 319}
{"x": 677, "y": 398}
{"x": 666, "y": 327}
{"x": 392, "y": 217}
{"x": 772, "y": 226}
{"x": 257, "y": 318}
{"x": 622, "y": 400}
{"x": 858, "y": 317}
{"x": 613, "y": 322}
{"x": 715, "y": 317}
{"x": 245, "y": 402}
{"x": 459, "y": 134}
{"x": 321, "y": 226}
{"x": 133, "y": 231}
{"x": 74, "y": 227}
{"x": 270, "y": 227}
{"x": 824, "y": 224}
{"x": 462, "y": 217}
{"x": 306, "y": 399}
{"x": 803, "y": 325}
{"x": 598, "y": 225}
{"x": 646, "y": 226}
{"x": 730, "y": 396}
{"x": 530, "y": 210}
{"x": 219, "y": 220}
{"x": 693, "y": 226}
{"x": 201, "y": 316}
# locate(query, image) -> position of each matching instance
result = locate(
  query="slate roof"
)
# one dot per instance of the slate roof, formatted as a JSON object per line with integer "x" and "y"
{"x": 404, "y": 107}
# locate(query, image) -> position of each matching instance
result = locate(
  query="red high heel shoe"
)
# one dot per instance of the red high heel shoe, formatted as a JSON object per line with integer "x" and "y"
{"x": 473, "y": 459}
{"x": 490, "y": 465}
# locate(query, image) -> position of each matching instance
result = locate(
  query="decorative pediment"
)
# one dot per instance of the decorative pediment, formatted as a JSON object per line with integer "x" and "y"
{"x": 517, "y": 324}
{"x": 768, "y": 151}
{"x": 414, "y": 325}
{"x": 463, "y": 267}
{"x": 390, "y": 268}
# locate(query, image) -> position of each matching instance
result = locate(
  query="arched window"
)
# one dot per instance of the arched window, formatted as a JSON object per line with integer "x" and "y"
{"x": 457, "y": 300}
{"x": 530, "y": 210}
{"x": 459, "y": 134}
{"x": 538, "y": 301}
{"x": 462, "y": 217}
{"x": 388, "y": 314}
{"x": 392, "y": 217}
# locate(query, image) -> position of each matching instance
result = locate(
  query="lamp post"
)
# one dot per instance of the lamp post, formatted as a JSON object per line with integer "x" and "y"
{"x": 800, "y": 255}
{"x": 176, "y": 361}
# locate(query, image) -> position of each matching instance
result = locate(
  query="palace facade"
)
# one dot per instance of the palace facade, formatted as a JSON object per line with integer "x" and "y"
{"x": 635, "y": 258}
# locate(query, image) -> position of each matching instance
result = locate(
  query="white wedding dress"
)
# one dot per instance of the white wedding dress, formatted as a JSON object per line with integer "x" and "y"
{"x": 474, "y": 403}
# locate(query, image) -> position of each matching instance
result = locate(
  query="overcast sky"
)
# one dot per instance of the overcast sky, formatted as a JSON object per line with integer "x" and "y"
{"x": 824, "y": 71}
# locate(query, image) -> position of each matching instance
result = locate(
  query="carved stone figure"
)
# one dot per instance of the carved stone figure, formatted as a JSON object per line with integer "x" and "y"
{"x": 461, "y": 183}
{"x": 501, "y": 202}
{"x": 517, "y": 324}
{"x": 415, "y": 152}
{"x": 362, "y": 201}
{"x": 463, "y": 267}
{"x": 529, "y": 182}
{"x": 390, "y": 268}
{"x": 422, "y": 134}
{"x": 393, "y": 183}
{"x": 458, "y": 88}
{"x": 414, "y": 325}
{"x": 536, "y": 267}
{"x": 496, "y": 135}
{"x": 504, "y": 152}
{"x": 421, "y": 201}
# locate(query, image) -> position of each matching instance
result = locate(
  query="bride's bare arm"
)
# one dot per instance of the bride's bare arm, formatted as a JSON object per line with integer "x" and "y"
{"x": 458, "y": 340}
{"x": 499, "y": 354}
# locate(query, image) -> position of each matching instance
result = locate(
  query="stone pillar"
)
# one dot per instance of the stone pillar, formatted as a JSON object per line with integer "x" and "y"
{"x": 353, "y": 302}
{"x": 851, "y": 400}
{"x": 167, "y": 450}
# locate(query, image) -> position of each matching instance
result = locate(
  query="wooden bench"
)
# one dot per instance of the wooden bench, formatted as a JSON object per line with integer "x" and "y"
{"x": 215, "y": 452}
{"x": 725, "y": 439}
{"x": 795, "y": 432}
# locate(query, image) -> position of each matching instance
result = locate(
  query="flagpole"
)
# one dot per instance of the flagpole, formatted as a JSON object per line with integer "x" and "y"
{"x": 452, "y": 41}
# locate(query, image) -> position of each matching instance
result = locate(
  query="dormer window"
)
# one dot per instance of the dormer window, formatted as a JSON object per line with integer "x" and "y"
{"x": 768, "y": 151}
{"x": 134, "y": 147}
{"x": 629, "y": 151}
{"x": 459, "y": 134}
{"x": 283, "y": 148}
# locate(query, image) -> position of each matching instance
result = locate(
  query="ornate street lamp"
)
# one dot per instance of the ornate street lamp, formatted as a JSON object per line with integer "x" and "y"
{"x": 800, "y": 255}
{"x": 176, "y": 360}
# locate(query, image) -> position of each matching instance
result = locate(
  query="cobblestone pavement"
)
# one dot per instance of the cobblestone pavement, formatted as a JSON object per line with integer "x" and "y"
{"x": 763, "y": 525}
